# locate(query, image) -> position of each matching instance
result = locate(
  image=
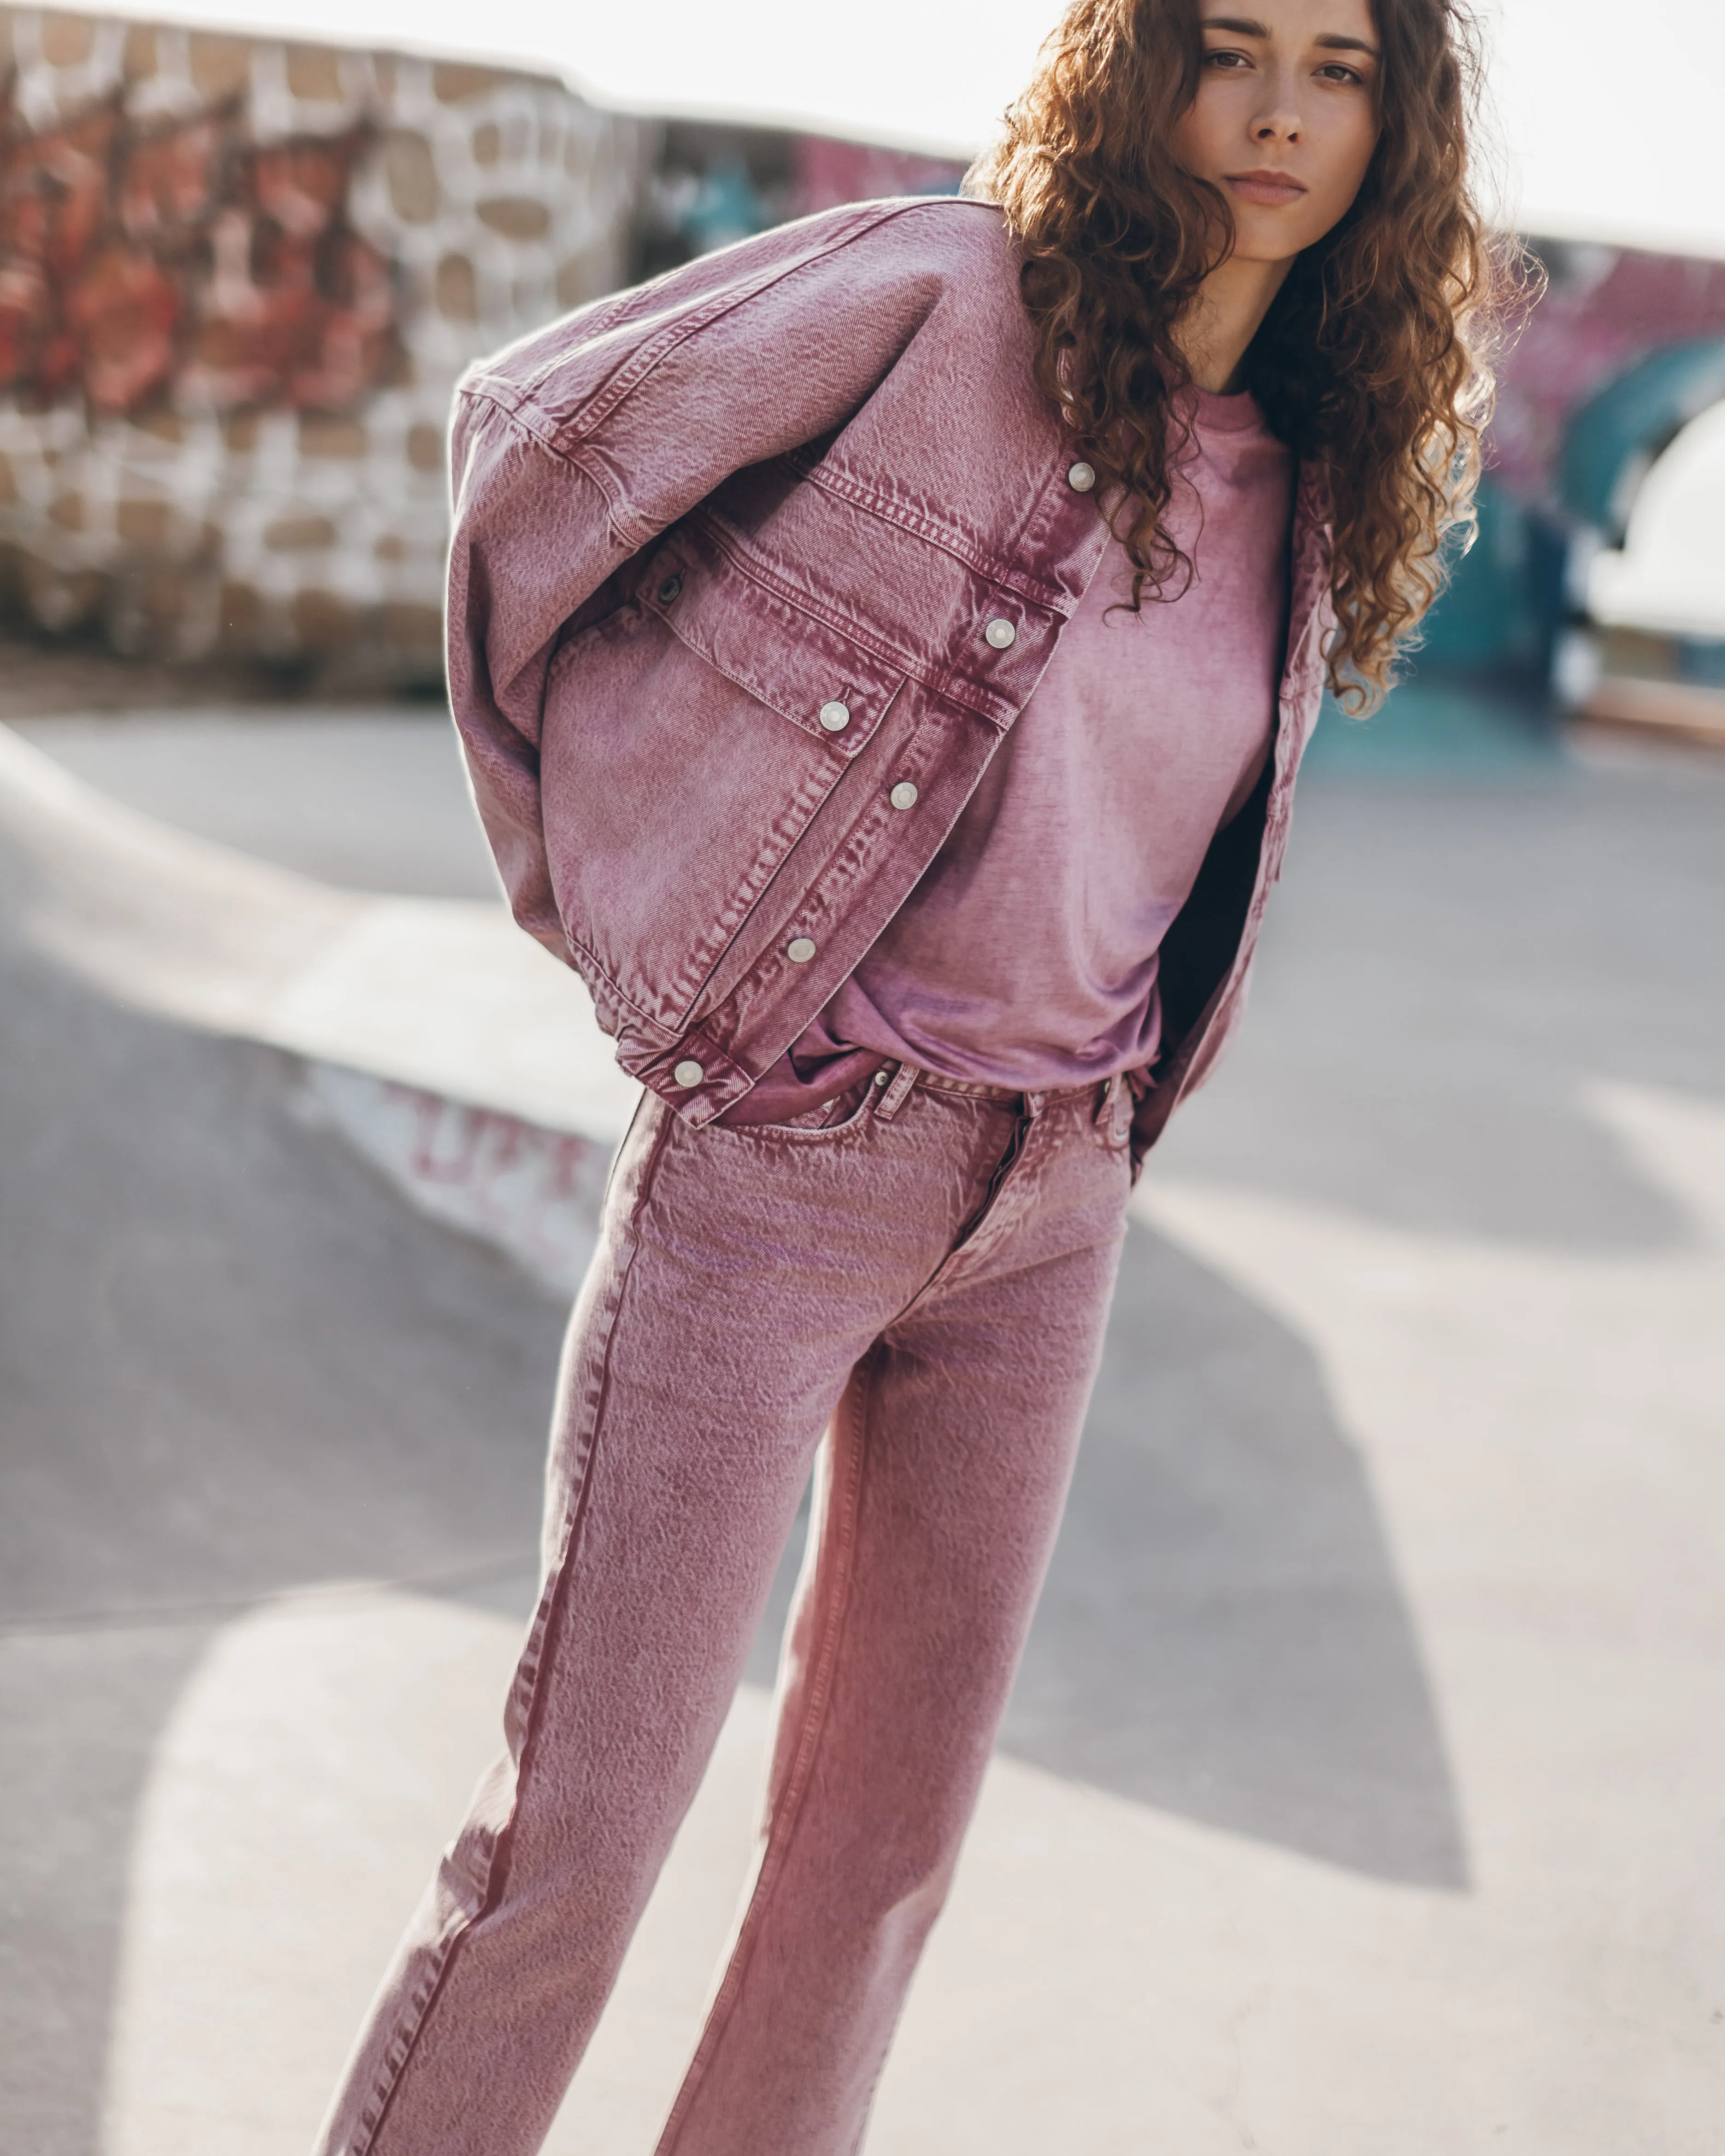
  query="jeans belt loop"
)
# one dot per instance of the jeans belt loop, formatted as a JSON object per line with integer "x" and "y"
{"x": 893, "y": 1099}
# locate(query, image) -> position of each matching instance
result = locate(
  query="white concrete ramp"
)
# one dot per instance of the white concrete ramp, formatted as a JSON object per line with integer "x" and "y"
{"x": 460, "y": 1058}
{"x": 445, "y": 995}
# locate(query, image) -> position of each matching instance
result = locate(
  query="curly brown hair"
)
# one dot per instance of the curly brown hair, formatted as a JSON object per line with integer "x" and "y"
{"x": 1374, "y": 363}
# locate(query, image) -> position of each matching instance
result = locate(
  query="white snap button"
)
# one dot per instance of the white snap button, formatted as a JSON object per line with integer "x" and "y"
{"x": 903, "y": 795}
{"x": 836, "y": 716}
{"x": 1000, "y": 634}
{"x": 800, "y": 950}
{"x": 881, "y": 1076}
{"x": 1081, "y": 477}
{"x": 689, "y": 1072}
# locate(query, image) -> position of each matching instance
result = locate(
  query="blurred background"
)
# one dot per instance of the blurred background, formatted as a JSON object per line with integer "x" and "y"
{"x": 1361, "y": 1789}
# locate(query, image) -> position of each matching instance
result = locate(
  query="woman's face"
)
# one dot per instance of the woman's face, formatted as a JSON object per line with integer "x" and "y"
{"x": 1285, "y": 118}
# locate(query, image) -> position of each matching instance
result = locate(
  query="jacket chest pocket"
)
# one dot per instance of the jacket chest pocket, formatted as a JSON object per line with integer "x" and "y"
{"x": 688, "y": 741}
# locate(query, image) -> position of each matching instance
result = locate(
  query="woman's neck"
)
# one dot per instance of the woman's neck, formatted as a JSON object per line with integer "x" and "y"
{"x": 1224, "y": 319}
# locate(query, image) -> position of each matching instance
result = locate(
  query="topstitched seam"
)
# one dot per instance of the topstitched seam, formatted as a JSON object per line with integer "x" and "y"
{"x": 384, "y": 2093}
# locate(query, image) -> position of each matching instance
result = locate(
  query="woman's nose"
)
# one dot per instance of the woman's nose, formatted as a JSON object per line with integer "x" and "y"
{"x": 1276, "y": 127}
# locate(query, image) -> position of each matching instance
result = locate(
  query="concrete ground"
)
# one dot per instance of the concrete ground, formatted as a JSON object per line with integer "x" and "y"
{"x": 1361, "y": 1790}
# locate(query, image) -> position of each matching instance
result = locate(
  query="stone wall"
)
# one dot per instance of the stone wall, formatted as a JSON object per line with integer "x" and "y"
{"x": 238, "y": 279}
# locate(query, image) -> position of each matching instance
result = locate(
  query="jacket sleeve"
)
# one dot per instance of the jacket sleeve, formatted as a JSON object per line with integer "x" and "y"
{"x": 574, "y": 449}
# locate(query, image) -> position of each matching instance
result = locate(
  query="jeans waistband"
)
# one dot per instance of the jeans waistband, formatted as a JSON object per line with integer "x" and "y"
{"x": 975, "y": 1089}
{"x": 895, "y": 1082}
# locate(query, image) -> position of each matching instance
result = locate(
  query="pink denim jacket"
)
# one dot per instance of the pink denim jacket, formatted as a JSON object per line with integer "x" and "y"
{"x": 753, "y": 568}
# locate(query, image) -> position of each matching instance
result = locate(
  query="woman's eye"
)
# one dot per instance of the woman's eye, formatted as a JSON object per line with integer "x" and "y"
{"x": 1335, "y": 71}
{"x": 1232, "y": 61}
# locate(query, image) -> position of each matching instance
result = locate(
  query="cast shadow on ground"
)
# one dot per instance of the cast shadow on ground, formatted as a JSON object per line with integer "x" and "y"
{"x": 1222, "y": 1635}
{"x": 232, "y": 1361}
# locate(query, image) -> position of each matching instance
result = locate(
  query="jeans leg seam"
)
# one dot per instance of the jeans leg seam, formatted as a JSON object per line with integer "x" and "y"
{"x": 781, "y": 1823}
{"x": 376, "y": 2113}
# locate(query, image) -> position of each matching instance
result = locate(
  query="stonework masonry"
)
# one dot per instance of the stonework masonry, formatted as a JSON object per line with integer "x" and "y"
{"x": 238, "y": 280}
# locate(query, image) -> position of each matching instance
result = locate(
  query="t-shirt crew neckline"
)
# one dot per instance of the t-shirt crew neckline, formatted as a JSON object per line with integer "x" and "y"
{"x": 1232, "y": 411}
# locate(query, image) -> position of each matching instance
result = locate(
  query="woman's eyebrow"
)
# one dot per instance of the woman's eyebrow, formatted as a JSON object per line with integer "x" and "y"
{"x": 1243, "y": 26}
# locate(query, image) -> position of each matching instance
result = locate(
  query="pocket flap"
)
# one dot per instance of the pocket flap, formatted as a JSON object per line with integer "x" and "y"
{"x": 792, "y": 661}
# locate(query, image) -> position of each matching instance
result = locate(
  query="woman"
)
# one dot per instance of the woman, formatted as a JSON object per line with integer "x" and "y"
{"x": 883, "y": 651}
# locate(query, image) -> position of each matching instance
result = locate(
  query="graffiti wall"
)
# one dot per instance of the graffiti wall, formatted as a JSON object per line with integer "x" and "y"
{"x": 1608, "y": 311}
{"x": 1607, "y": 307}
{"x": 712, "y": 183}
{"x": 238, "y": 280}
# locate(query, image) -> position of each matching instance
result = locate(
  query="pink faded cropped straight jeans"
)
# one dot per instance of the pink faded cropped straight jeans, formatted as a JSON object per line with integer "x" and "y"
{"x": 926, "y": 1281}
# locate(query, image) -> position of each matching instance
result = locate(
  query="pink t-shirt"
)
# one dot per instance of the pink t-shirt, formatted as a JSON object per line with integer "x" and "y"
{"x": 1027, "y": 955}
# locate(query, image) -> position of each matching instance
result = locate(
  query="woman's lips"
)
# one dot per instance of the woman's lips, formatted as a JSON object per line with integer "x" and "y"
{"x": 1268, "y": 187}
